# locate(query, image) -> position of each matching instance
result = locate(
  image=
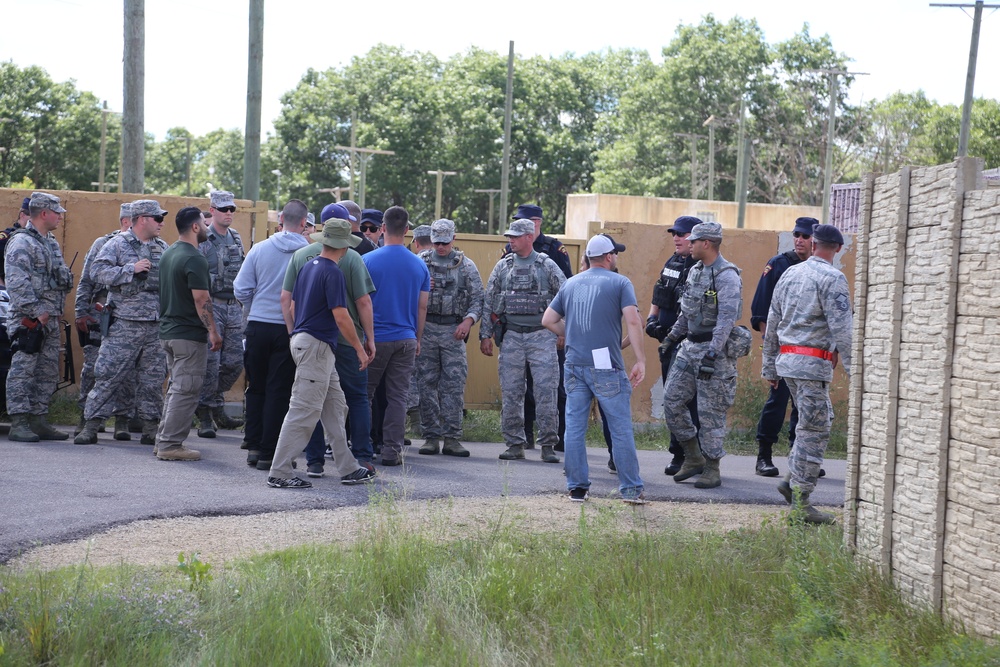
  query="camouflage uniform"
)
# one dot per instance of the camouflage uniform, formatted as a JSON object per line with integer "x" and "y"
{"x": 810, "y": 317}
{"x": 518, "y": 296}
{"x": 442, "y": 367}
{"x": 132, "y": 347}
{"x": 37, "y": 282}
{"x": 707, "y": 321}
{"x": 225, "y": 257}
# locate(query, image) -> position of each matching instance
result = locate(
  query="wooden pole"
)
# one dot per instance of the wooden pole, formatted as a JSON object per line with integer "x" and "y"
{"x": 255, "y": 78}
{"x": 507, "y": 112}
{"x": 133, "y": 166}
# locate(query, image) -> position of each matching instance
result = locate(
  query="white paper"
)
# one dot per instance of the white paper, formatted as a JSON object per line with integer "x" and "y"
{"x": 602, "y": 358}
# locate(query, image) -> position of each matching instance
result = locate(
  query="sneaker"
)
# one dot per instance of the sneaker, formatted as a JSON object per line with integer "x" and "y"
{"x": 611, "y": 466}
{"x": 329, "y": 452}
{"x": 578, "y": 495}
{"x": 314, "y": 470}
{"x": 637, "y": 500}
{"x": 359, "y": 476}
{"x": 293, "y": 483}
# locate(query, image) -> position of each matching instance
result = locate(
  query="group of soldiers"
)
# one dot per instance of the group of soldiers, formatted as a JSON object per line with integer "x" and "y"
{"x": 414, "y": 326}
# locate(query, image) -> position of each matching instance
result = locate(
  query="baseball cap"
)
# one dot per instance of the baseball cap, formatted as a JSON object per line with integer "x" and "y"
{"x": 603, "y": 244}
{"x": 336, "y": 211}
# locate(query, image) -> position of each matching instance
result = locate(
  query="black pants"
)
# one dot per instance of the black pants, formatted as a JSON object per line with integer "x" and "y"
{"x": 529, "y": 404}
{"x": 270, "y": 372}
{"x": 675, "y": 446}
{"x": 772, "y": 417}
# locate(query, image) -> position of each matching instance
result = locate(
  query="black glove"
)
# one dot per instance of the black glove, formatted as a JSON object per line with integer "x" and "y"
{"x": 707, "y": 367}
{"x": 653, "y": 327}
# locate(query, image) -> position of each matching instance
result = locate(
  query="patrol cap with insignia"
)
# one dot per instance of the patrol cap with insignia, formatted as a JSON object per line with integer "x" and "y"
{"x": 706, "y": 230}
{"x": 422, "y": 232}
{"x": 222, "y": 199}
{"x": 43, "y": 200}
{"x": 146, "y": 207}
{"x": 527, "y": 212}
{"x": 125, "y": 210}
{"x": 827, "y": 234}
{"x": 805, "y": 225}
{"x": 520, "y": 227}
{"x": 684, "y": 224}
{"x": 443, "y": 231}
{"x": 336, "y": 234}
{"x": 335, "y": 210}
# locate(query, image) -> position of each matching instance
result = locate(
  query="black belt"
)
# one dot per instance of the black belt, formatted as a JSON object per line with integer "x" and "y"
{"x": 228, "y": 302}
{"x": 700, "y": 338}
{"x": 517, "y": 328}
{"x": 444, "y": 319}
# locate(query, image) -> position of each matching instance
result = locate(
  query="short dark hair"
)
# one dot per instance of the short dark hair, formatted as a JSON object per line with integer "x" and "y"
{"x": 827, "y": 245}
{"x": 396, "y": 221}
{"x": 295, "y": 211}
{"x": 185, "y": 218}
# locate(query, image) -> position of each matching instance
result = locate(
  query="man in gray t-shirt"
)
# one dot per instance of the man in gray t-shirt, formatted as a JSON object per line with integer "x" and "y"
{"x": 588, "y": 311}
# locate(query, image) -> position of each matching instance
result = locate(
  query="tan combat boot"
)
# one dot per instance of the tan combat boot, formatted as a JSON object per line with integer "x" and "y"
{"x": 178, "y": 453}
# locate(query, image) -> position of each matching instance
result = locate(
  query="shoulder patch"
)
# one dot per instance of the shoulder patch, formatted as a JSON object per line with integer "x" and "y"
{"x": 767, "y": 269}
{"x": 562, "y": 249}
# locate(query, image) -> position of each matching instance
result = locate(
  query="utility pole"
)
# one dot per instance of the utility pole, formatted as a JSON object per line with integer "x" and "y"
{"x": 694, "y": 159}
{"x": 133, "y": 166}
{"x": 255, "y": 81}
{"x": 104, "y": 146}
{"x": 364, "y": 154}
{"x": 743, "y": 183}
{"x": 354, "y": 146}
{"x": 740, "y": 156}
{"x": 188, "y": 141}
{"x": 440, "y": 182}
{"x": 507, "y": 111}
{"x": 970, "y": 77}
{"x": 831, "y": 127}
{"x": 489, "y": 216}
{"x": 710, "y": 124}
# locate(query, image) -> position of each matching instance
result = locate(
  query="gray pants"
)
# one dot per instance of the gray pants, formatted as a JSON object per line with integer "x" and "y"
{"x": 394, "y": 360}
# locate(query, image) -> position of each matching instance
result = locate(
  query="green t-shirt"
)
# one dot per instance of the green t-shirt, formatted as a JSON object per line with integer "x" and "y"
{"x": 356, "y": 276}
{"x": 182, "y": 269}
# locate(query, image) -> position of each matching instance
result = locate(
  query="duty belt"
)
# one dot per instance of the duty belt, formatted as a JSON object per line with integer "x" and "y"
{"x": 444, "y": 319}
{"x": 700, "y": 338}
{"x": 228, "y": 302}
{"x": 517, "y": 328}
{"x": 807, "y": 351}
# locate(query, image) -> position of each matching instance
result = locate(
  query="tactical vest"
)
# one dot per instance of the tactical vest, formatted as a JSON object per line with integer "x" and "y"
{"x": 700, "y": 301}
{"x": 228, "y": 260}
{"x": 151, "y": 252}
{"x": 669, "y": 287}
{"x": 449, "y": 293}
{"x": 524, "y": 290}
{"x": 57, "y": 278}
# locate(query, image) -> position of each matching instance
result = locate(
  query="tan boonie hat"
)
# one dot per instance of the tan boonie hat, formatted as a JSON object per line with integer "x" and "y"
{"x": 336, "y": 234}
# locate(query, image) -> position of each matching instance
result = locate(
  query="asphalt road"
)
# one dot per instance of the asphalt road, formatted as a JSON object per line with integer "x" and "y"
{"x": 55, "y": 492}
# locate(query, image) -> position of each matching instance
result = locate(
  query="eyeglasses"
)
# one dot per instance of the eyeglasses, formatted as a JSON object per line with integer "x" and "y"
{"x": 369, "y": 228}
{"x": 441, "y": 243}
{"x": 800, "y": 235}
{"x": 226, "y": 209}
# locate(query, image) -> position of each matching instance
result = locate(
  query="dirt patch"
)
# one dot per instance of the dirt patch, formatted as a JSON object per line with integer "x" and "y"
{"x": 221, "y": 539}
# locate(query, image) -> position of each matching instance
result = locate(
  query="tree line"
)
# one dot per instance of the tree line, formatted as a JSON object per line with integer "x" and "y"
{"x": 612, "y": 121}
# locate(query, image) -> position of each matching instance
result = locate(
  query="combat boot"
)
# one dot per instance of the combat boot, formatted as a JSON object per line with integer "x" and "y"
{"x": 134, "y": 425}
{"x": 430, "y": 447}
{"x": 513, "y": 453}
{"x": 121, "y": 428}
{"x": 43, "y": 429}
{"x": 710, "y": 477}
{"x": 549, "y": 454}
{"x": 453, "y": 447}
{"x": 222, "y": 420}
{"x": 88, "y": 436}
{"x": 413, "y": 416}
{"x": 765, "y": 466}
{"x": 149, "y": 428}
{"x": 178, "y": 453}
{"x": 80, "y": 425}
{"x": 694, "y": 460}
{"x": 20, "y": 429}
{"x": 206, "y": 429}
{"x": 785, "y": 489}
{"x": 804, "y": 511}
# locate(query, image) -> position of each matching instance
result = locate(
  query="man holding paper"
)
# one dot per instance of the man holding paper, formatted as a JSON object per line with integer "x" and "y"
{"x": 588, "y": 311}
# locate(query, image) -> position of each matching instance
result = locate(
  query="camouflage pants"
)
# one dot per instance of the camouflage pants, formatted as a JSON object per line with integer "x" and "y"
{"x": 715, "y": 397}
{"x": 124, "y": 402}
{"x": 536, "y": 350}
{"x": 442, "y": 369}
{"x": 224, "y": 366}
{"x": 812, "y": 433}
{"x": 33, "y": 377}
{"x": 131, "y": 359}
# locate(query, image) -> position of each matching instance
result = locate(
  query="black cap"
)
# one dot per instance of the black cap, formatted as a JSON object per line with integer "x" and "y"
{"x": 805, "y": 225}
{"x": 827, "y": 234}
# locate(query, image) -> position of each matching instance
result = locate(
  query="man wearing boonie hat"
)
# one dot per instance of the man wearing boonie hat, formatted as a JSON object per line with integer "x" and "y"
{"x": 37, "y": 298}
{"x": 808, "y": 328}
{"x": 91, "y": 295}
{"x": 520, "y": 288}
{"x": 225, "y": 254}
{"x": 319, "y": 298}
{"x": 772, "y": 416}
{"x": 710, "y": 307}
{"x": 454, "y": 305}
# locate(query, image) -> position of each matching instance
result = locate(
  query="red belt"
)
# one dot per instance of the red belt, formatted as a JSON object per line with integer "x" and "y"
{"x": 807, "y": 351}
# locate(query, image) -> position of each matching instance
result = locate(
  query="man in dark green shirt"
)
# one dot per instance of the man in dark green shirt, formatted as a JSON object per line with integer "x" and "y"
{"x": 186, "y": 322}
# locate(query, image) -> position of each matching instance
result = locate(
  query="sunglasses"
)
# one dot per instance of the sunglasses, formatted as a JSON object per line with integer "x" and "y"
{"x": 158, "y": 218}
{"x": 441, "y": 243}
{"x": 369, "y": 228}
{"x": 680, "y": 234}
{"x": 226, "y": 209}
{"x": 800, "y": 235}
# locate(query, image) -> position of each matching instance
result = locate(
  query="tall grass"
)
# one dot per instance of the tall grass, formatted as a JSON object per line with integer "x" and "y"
{"x": 774, "y": 595}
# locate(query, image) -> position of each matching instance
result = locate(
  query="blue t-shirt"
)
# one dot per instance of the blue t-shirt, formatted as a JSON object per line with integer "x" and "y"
{"x": 319, "y": 289}
{"x": 591, "y": 303}
{"x": 399, "y": 277}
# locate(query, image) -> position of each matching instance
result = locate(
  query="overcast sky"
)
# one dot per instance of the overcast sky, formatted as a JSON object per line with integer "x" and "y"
{"x": 200, "y": 46}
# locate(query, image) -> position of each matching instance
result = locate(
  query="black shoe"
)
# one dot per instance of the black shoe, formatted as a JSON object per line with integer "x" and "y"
{"x": 293, "y": 483}
{"x": 252, "y": 457}
{"x": 578, "y": 495}
{"x": 675, "y": 465}
{"x": 822, "y": 473}
{"x": 611, "y": 466}
{"x": 264, "y": 464}
{"x": 315, "y": 470}
{"x": 395, "y": 461}
{"x": 360, "y": 476}
{"x": 407, "y": 442}
{"x": 765, "y": 468}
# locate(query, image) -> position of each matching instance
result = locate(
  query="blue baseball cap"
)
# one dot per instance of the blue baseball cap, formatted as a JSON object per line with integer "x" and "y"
{"x": 805, "y": 225}
{"x": 338, "y": 211}
{"x": 372, "y": 215}
{"x": 527, "y": 212}
{"x": 684, "y": 224}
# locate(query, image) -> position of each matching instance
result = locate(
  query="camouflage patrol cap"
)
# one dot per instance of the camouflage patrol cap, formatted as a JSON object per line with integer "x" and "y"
{"x": 706, "y": 230}
{"x": 422, "y": 232}
{"x": 520, "y": 227}
{"x": 146, "y": 207}
{"x": 222, "y": 199}
{"x": 443, "y": 231}
{"x": 43, "y": 200}
{"x": 125, "y": 211}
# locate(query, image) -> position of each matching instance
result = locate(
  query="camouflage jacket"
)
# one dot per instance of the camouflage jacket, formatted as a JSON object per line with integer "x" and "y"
{"x": 37, "y": 276}
{"x": 132, "y": 297}
{"x": 89, "y": 292}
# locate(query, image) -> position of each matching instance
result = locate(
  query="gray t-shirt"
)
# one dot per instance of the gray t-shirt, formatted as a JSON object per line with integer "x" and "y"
{"x": 591, "y": 303}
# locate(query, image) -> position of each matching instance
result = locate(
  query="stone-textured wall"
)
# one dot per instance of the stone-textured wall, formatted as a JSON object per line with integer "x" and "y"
{"x": 923, "y": 478}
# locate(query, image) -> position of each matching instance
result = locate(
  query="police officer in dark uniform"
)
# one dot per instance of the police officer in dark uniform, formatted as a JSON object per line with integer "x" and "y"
{"x": 557, "y": 253}
{"x": 772, "y": 417}
{"x": 22, "y": 218}
{"x": 664, "y": 310}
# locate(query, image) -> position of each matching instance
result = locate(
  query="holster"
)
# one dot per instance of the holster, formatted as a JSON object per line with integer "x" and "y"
{"x": 107, "y": 317}
{"x": 28, "y": 341}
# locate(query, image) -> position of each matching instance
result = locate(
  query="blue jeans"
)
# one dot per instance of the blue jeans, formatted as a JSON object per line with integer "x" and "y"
{"x": 613, "y": 392}
{"x": 355, "y": 386}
